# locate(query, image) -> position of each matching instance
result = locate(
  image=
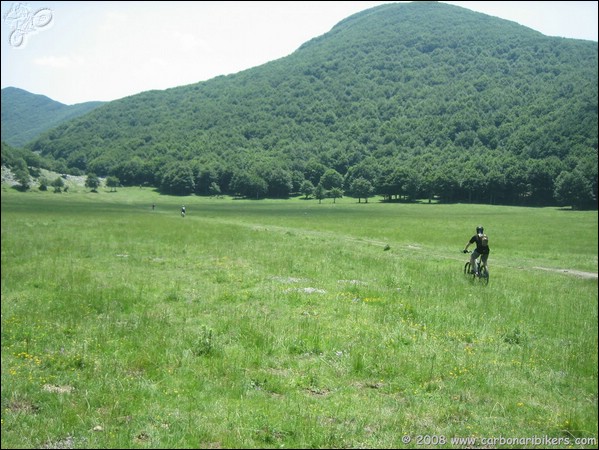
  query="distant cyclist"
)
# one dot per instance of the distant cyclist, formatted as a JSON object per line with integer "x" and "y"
{"x": 482, "y": 248}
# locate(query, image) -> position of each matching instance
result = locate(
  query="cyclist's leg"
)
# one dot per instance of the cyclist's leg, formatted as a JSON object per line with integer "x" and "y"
{"x": 473, "y": 257}
{"x": 484, "y": 259}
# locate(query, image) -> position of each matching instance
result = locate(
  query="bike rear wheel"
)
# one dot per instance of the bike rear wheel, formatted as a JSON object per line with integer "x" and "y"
{"x": 484, "y": 275}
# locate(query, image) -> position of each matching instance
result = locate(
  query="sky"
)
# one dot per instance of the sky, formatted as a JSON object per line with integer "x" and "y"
{"x": 75, "y": 52}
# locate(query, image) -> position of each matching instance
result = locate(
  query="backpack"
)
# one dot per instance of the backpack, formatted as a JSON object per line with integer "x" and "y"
{"x": 484, "y": 240}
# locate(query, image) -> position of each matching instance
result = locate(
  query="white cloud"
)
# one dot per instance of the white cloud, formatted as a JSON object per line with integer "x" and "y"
{"x": 55, "y": 62}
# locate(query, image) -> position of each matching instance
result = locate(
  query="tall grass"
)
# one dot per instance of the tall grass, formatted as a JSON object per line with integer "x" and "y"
{"x": 267, "y": 324}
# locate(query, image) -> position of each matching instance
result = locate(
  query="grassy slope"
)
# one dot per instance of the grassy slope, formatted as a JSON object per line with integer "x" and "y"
{"x": 286, "y": 324}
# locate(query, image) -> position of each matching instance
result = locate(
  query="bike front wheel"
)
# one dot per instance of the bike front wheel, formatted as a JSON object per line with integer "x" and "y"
{"x": 467, "y": 268}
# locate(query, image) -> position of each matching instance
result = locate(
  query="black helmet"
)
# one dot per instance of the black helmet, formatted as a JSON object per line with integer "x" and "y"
{"x": 479, "y": 229}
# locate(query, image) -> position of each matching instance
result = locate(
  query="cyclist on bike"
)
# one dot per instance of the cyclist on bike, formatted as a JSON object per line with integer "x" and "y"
{"x": 482, "y": 248}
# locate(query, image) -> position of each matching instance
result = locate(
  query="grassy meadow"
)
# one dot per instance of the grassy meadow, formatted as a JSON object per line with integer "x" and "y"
{"x": 291, "y": 324}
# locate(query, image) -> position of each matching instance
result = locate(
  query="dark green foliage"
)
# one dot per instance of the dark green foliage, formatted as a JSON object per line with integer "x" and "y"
{"x": 279, "y": 182}
{"x": 19, "y": 157}
{"x": 43, "y": 184}
{"x": 249, "y": 185}
{"x": 307, "y": 188}
{"x": 58, "y": 184}
{"x": 331, "y": 179}
{"x": 25, "y": 115}
{"x": 571, "y": 188}
{"x": 112, "y": 182}
{"x": 178, "y": 180}
{"x": 92, "y": 181}
{"x": 320, "y": 193}
{"x": 336, "y": 193}
{"x": 422, "y": 100}
{"x": 362, "y": 189}
{"x": 214, "y": 190}
{"x": 22, "y": 176}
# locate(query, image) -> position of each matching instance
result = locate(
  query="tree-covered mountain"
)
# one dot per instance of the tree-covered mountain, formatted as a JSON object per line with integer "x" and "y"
{"x": 25, "y": 116}
{"x": 405, "y": 100}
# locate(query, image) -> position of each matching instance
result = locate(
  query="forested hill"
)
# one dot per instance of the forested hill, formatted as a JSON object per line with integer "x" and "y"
{"x": 413, "y": 99}
{"x": 25, "y": 116}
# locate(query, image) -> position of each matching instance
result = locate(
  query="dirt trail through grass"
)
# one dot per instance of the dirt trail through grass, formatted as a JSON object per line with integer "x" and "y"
{"x": 576, "y": 273}
{"x": 328, "y": 235}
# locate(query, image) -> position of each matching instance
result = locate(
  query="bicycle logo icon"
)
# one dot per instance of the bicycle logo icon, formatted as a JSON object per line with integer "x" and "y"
{"x": 23, "y": 21}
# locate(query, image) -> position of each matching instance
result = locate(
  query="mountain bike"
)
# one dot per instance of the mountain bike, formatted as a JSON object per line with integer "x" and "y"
{"x": 481, "y": 272}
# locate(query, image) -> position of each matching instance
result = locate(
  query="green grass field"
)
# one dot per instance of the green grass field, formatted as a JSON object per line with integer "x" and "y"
{"x": 286, "y": 324}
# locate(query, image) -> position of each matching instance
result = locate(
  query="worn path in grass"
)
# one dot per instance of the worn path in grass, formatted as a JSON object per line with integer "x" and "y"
{"x": 327, "y": 235}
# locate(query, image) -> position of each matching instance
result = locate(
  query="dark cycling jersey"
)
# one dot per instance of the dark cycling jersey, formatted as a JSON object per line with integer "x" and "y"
{"x": 479, "y": 244}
